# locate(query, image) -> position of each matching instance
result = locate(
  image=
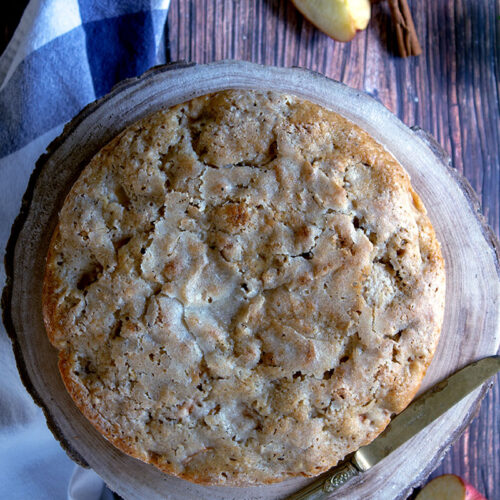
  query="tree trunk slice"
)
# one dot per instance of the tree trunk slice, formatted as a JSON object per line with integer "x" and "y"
{"x": 471, "y": 328}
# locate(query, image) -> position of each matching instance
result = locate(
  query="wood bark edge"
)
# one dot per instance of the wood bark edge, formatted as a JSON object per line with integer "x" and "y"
{"x": 468, "y": 191}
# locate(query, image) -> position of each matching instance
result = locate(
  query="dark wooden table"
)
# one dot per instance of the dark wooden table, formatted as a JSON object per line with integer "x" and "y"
{"x": 451, "y": 90}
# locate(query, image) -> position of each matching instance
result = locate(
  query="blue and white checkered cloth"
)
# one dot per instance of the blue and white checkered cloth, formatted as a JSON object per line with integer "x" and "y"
{"x": 63, "y": 55}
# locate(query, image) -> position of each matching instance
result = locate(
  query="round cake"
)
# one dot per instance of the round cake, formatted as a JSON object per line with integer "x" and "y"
{"x": 243, "y": 288}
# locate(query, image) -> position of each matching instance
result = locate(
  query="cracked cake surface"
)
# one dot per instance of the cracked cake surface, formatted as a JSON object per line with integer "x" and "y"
{"x": 243, "y": 288}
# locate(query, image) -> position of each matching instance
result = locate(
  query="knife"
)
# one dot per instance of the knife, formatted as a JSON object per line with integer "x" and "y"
{"x": 419, "y": 414}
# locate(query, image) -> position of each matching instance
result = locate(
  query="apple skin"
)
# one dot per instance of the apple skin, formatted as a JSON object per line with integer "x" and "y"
{"x": 449, "y": 487}
{"x": 339, "y": 19}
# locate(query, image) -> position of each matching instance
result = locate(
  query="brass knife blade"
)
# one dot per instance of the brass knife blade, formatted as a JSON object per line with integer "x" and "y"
{"x": 418, "y": 415}
{"x": 425, "y": 409}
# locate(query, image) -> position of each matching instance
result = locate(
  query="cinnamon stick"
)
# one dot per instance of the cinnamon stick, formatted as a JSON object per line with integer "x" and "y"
{"x": 408, "y": 43}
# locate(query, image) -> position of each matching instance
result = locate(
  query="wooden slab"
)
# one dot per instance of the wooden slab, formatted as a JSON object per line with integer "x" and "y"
{"x": 471, "y": 328}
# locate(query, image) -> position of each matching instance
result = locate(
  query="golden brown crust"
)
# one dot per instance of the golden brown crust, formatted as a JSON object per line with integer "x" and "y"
{"x": 242, "y": 289}
{"x": 49, "y": 291}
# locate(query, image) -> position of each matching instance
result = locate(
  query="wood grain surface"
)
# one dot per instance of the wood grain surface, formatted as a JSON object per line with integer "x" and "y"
{"x": 452, "y": 91}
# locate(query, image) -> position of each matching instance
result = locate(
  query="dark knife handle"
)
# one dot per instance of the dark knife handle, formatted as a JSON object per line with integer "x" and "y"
{"x": 322, "y": 487}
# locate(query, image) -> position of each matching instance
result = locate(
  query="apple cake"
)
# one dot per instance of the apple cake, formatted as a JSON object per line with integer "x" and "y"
{"x": 243, "y": 288}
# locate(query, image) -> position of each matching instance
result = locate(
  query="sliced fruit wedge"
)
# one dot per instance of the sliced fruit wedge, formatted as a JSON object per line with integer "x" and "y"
{"x": 449, "y": 487}
{"x": 339, "y": 19}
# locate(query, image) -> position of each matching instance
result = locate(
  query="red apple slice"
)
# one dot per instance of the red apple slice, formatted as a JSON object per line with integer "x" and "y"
{"x": 339, "y": 19}
{"x": 449, "y": 487}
